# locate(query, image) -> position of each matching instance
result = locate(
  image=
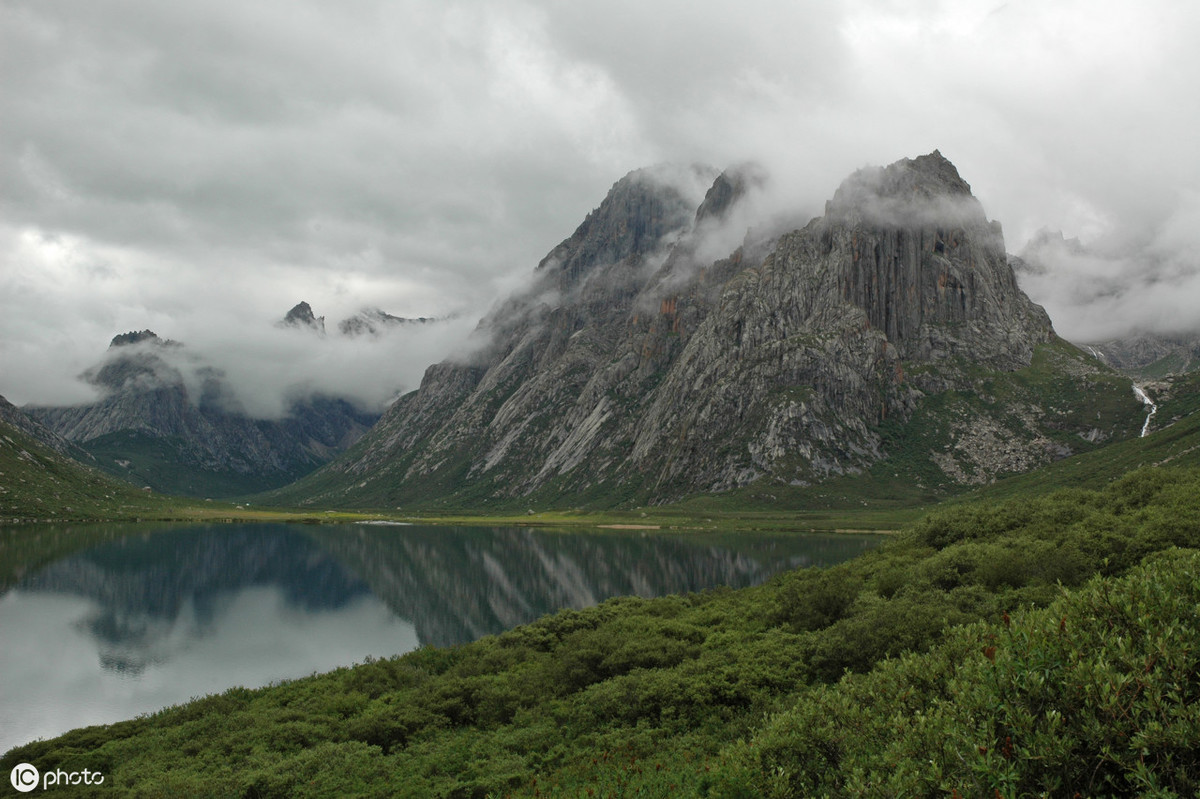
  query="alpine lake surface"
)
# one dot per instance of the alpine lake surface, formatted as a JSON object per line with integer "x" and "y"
{"x": 105, "y": 622}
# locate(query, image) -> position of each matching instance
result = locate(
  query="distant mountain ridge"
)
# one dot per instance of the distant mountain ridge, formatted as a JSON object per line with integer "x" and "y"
{"x": 1150, "y": 355}
{"x": 22, "y": 421}
{"x": 638, "y": 369}
{"x": 366, "y": 322}
{"x": 151, "y": 428}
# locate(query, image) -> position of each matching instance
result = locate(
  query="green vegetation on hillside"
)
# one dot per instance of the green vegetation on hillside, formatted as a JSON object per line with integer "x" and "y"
{"x": 1174, "y": 441}
{"x": 957, "y": 686}
{"x": 907, "y": 480}
{"x": 38, "y": 483}
{"x": 168, "y": 465}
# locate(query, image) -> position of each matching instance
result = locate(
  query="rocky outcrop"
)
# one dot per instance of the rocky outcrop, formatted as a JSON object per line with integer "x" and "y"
{"x": 14, "y": 416}
{"x": 301, "y": 316}
{"x": 636, "y": 366}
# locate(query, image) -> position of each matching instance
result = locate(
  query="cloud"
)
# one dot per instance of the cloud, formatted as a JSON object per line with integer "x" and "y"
{"x": 274, "y": 366}
{"x": 167, "y": 163}
{"x": 1115, "y": 286}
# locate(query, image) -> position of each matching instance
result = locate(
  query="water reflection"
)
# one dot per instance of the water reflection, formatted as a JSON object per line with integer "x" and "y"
{"x": 100, "y": 623}
{"x": 458, "y": 584}
{"x": 155, "y": 592}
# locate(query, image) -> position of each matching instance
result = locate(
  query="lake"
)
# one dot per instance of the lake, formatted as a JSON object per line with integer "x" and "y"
{"x": 103, "y": 622}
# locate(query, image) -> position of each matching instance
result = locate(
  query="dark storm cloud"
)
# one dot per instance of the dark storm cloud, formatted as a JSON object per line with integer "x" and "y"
{"x": 182, "y": 165}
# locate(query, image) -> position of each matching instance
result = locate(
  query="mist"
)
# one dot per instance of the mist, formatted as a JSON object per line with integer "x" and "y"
{"x": 196, "y": 168}
{"x": 1116, "y": 286}
{"x": 274, "y": 367}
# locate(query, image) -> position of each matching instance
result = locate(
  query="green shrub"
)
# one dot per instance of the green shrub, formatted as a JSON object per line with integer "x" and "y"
{"x": 1098, "y": 694}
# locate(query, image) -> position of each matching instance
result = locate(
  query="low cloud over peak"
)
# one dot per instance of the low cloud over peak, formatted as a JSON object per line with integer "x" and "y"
{"x": 181, "y": 166}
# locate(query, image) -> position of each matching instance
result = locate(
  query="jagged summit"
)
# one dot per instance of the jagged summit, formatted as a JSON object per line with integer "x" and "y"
{"x": 137, "y": 337}
{"x": 728, "y": 189}
{"x": 916, "y": 192}
{"x": 641, "y": 363}
{"x": 376, "y": 322}
{"x": 301, "y": 315}
{"x": 910, "y": 246}
{"x": 639, "y": 211}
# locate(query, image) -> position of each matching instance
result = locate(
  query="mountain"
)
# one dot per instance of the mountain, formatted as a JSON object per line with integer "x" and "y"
{"x": 13, "y": 416}
{"x": 301, "y": 316}
{"x": 374, "y": 322}
{"x": 887, "y": 335}
{"x": 156, "y": 427}
{"x": 1150, "y": 355}
{"x": 41, "y": 478}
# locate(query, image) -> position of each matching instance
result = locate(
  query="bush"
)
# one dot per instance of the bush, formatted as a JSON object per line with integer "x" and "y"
{"x": 1098, "y": 694}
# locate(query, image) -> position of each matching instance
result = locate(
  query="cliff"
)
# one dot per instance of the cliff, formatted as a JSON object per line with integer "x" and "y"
{"x": 638, "y": 369}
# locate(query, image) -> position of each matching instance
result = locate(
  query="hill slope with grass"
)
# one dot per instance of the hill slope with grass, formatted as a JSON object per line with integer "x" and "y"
{"x": 1020, "y": 647}
{"x": 39, "y": 482}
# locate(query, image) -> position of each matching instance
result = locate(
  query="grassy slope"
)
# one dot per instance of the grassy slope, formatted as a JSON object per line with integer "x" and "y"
{"x": 38, "y": 483}
{"x": 710, "y": 694}
{"x": 1174, "y": 440}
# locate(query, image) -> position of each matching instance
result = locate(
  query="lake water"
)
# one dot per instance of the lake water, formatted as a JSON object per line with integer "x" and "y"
{"x": 104, "y": 622}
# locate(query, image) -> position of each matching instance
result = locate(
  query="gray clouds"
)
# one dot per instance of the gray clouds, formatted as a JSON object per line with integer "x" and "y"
{"x": 1148, "y": 281}
{"x": 175, "y": 166}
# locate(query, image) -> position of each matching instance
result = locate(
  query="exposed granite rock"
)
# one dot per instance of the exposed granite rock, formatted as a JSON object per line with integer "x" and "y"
{"x": 17, "y": 418}
{"x": 637, "y": 366}
{"x": 301, "y": 316}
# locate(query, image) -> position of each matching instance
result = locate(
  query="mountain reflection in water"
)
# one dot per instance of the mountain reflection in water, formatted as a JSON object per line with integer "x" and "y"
{"x": 105, "y": 622}
{"x": 459, "y": 584}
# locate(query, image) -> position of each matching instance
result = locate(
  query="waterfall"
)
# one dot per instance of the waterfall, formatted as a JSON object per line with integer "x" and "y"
{"x": 1145, "y": 398}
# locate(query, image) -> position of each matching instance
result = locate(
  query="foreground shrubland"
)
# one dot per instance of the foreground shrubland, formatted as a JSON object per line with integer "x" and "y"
{"x": 1026, "y": 648}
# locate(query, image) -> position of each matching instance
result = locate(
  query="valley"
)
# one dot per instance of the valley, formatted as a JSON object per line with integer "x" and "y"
{"x": 572, "y": 519}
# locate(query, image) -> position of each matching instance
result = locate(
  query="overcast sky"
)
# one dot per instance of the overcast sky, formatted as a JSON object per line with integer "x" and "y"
{"x": 199, "y": 167}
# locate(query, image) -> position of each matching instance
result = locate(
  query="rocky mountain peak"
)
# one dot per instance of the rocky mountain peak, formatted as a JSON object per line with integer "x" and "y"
{"x": 640, "y": 211}
{"x": 910, "y": 246}
{"x": 302, "y": 316}
{"x": 135, "y": 337}
{"x": 620, "y": 374}
{"x": 912, "y": 192}
{"x": 729, "y": 187}
{"x": 1054, "y": 239}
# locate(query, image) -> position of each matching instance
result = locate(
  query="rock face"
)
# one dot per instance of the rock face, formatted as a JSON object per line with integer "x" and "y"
{"x": 1145, "y": 354}
{"x": 637, "y": 368}
{"x": 14, "y": 416}
{"x": 302, "y": 316}
{"x": 151, "y": 427}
